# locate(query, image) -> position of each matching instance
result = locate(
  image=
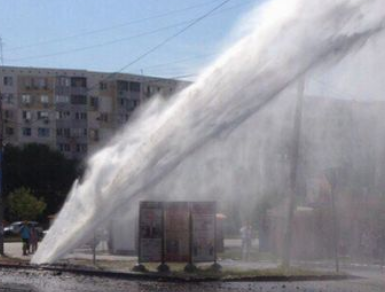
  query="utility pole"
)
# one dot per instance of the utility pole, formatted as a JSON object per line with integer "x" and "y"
{"x": 1, "y": 160}
{"x": 1, "y": 52}
{"x": 335, "y": 228}
{"x": 333, "y": 176}
{"x": 1, "y": 179}
{"x": 294, "y": 170}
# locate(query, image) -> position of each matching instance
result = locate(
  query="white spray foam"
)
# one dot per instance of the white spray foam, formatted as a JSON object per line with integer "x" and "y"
{"x": 292, "y": 38}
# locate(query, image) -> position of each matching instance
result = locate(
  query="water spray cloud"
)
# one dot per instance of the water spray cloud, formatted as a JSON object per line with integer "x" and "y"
{"x": 292, "y": 38}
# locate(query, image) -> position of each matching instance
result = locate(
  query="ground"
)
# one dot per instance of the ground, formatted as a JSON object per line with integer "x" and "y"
{"x": 51, "y": 282}
{"x": 373, "y": 278}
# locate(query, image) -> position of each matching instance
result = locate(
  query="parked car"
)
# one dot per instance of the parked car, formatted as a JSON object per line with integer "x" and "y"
{"x": 14, "y": 228}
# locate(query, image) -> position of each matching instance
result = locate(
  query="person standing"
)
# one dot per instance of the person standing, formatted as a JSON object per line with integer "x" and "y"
{"x": 34, "y": 237}
{"x": 247, "y": 237}
{"x": 25, "y": 237}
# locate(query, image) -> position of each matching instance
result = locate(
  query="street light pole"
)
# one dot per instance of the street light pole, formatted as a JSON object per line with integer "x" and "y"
{"x": 335, "y": 229}
{"x": 294, "y": 170}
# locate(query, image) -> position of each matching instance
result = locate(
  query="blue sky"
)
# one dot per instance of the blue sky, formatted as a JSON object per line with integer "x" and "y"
{"x": 105, "y": 35}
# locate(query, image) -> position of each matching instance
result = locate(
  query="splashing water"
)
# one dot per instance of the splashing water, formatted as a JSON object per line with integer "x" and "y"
{"x": 291, "y": 38}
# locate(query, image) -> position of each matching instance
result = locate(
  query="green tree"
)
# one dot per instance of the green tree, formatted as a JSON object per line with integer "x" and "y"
{"x": 23, "y": 205}
{"x": 44, "y": 171}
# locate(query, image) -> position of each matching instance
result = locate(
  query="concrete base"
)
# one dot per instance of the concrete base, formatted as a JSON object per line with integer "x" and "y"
{"x": 190, "y": 268}
{"x": 163, "y": 268}
{"x": 215, "y": 267}
{"x": 139, "y": 268}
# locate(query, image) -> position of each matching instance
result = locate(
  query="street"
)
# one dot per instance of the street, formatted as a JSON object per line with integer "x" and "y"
{"x": 22, "y": 280}
{"x": 47, "y": 281}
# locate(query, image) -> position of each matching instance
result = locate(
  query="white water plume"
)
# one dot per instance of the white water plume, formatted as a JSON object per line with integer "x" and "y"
{"x": 147, "y": 158}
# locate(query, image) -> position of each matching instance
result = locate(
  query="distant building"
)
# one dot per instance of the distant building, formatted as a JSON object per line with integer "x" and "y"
{"x": 72, "y": 111}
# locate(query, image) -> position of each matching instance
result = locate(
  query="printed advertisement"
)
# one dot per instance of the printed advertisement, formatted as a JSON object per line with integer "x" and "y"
{"x": 150, "y": 231}
{"x": 177, "y": 232}
{"x": 203, "y": 231}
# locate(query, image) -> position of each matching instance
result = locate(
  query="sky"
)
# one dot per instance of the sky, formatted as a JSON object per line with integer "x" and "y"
{"x": 106, "y": 35}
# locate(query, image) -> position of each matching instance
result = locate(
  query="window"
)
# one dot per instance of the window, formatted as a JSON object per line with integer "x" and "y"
{"x": 66, "y": 132}
{"x": 9, "y": 131}
{"x": 27, "y": 83}
{"x": 37, "y": 83}
{"x": 103, "y": 85}
{"x": 42, "y": 82}
{"x": 94, "y": 134}
{"x": 122, "y": 85}
{"x": 27, "y": 115}
{"x": 78, "y": 132}
{"x": 78, "y": 82}
{"x": 42, "y": 115}
{"x": 8, "y": 114}
{"x": 26, "y": 99}
{"x": 63, "y": 115}
{"x": 79, "y": 99}
{"x": 135, "y": 86}
{"x": 8, "y": 81}
{"x": 64, "y": 147}
{"x": 63, "y": 132}
{"x": 44, "y": 99}
{"x": 94, "y": 102}
{"x": 103, "y": 117}
{"x": 43, "y": 132}
{"x": 26, "y": 131}
{"x": 63, "y": 81}
{"x": 132, "y": 104}
{"x": 81, "y": 147}
{"x": 122, "y": 118}
{"x": 8, "y": 98}
{"x": 62, "y": 99}
{"x": 81, "y": 116}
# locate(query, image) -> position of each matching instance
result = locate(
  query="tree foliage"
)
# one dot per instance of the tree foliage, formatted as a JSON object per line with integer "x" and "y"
{"x": 23, "y": 205}
{"x": 44, "y": 171}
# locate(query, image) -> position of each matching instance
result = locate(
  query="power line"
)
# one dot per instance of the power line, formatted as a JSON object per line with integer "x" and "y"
{"x": 99, "y": 45}
{"x": 115, "y": 41}
{"x": 108, "y": 28}
{"x": 165, "y": 41}
{"x": 178, "y": 61}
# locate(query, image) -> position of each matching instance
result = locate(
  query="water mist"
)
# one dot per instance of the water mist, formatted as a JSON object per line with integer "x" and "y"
{"x": 184, "y": 149}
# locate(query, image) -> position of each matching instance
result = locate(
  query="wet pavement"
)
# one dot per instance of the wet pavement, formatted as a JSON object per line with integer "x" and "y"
{"x": 51, "y": 281}
{"x": 47, "y": 281}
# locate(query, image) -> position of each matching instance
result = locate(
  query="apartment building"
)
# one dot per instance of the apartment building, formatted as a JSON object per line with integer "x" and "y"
{"x": 73, "y": 111}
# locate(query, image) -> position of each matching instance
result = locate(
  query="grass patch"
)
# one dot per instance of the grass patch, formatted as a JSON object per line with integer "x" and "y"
{"x": 254, "y": 255}
{"x": 6, "y": 260}
{"x": 12, "y": 239}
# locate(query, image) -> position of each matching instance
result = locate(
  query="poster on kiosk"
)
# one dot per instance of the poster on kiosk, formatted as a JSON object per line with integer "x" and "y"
{"x": 203, "y": 231}
{"x": 177, "y": 235}
{"x": 151, "y": 231}
{"x": 177, "y": 232}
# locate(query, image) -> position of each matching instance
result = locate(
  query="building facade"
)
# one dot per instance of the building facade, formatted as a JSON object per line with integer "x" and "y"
{"x": 73, "y": 111}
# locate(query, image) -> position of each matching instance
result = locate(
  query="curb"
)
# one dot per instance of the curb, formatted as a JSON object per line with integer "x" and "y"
{"x": 158, "y": 277}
